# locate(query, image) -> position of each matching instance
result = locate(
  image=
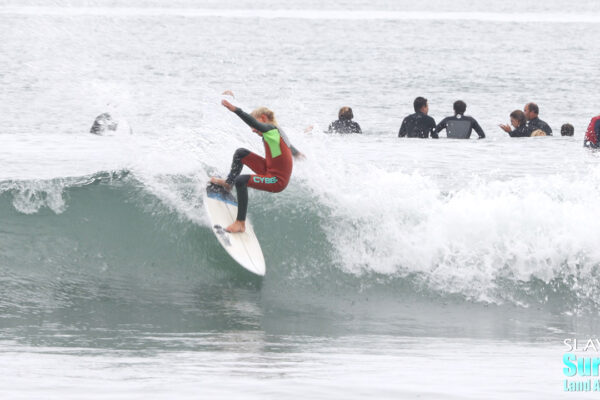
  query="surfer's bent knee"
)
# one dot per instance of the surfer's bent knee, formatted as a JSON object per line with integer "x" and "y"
{"x": 241, "y": 153}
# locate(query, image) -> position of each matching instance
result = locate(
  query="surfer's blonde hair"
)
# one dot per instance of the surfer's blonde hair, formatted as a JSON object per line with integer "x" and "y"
{"x": 266, "y": 112}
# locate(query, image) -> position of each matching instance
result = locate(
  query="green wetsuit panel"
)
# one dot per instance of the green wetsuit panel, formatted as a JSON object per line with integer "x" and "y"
{"x": 273, "y": 140}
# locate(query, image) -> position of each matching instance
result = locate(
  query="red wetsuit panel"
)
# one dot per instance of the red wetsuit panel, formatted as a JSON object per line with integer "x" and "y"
{"x": 590, "y": 135}
{"x": 272, "y": 174}
{"x": 256, "y": 163}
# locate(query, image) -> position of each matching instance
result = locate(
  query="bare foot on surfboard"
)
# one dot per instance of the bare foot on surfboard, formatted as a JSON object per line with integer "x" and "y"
{"x": 220, "y": 182}
{"x": 237, "y": 227}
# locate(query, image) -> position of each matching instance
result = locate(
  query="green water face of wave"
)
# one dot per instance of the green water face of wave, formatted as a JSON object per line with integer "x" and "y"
{"x": 119, "y": 269}
{"x": 113, "y": 230}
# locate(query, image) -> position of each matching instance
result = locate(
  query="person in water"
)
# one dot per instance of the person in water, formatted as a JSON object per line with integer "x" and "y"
{"x": 518, "y": 121}
{"x": 460, "y": 125}
{"x": 538, "y": 132}
{"x": 419, "y": 124}
{"x": 272, "y": 173}
{"x": 531, "y": 111}
{"x": 344, "y": 124}
{"x": 567, "y": 130}
{"x": 592, "y": 134}
{"x": 103, "y": 123}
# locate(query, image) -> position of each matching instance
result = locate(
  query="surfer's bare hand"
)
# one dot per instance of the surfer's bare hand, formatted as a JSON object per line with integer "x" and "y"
{"x": 228, "y": 105}
{"x": 505, "y": 128}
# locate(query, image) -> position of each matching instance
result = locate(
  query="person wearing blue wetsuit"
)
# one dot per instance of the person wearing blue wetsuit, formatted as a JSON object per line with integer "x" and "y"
{"x": 460, "y": 126}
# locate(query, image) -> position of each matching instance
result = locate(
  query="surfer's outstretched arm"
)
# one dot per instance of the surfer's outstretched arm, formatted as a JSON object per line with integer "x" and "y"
{"x": 261, "y": 127}
{"x": 247, "y": 118}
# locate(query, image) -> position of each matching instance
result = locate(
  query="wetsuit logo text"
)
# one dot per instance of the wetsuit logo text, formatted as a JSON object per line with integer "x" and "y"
{"x": 260, "y": 179}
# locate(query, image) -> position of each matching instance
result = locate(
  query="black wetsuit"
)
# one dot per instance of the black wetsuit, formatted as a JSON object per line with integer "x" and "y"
{"x": 102, "y": 123}
{"x": 537, "y": 123}
{"x": 521, "y": 131}
{"x": 460, "y": 127}
{"x": 418, "y": 125}
{"x": 344, "y": 126}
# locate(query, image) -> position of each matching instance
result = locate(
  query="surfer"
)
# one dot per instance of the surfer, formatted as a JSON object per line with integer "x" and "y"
{"x": 518, "y": 120}
{"x": 460, "y": 125}
{"x": 567, "y": 130}
{"x": 592, "y": 134}
{"x": 106, "y": 124}
{"x": 419, "y": 124}
{"x": 272, "y": 173}
{"x": 103, "y": 123}
{"x": 344, "y": 123}
{"x": 531, "y": 111}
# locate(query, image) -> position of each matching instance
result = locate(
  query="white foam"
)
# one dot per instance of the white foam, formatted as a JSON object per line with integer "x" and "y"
{"x": 460, "y": 231}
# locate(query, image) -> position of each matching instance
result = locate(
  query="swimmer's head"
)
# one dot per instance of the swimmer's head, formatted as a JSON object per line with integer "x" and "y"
{"x": 567, "y": 130}
{"x": 460, "y": 107}
{"x": 517, "y": 118}
{"x": 538, "y": 132}
{"x": 531, "y": 111}
{"x": 420, "y": 105}
{"x": 345, "y": 113}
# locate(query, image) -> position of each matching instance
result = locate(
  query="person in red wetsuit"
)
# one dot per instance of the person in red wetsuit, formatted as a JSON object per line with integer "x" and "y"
{"x": 272, "y": 173}
{"x": 592, "y": 135}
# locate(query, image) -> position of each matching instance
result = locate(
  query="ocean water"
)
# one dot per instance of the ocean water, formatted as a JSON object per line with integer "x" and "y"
{"x": 396, "y": 268}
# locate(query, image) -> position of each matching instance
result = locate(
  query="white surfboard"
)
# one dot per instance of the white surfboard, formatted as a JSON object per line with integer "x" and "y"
{"x": 244, "y": 248}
